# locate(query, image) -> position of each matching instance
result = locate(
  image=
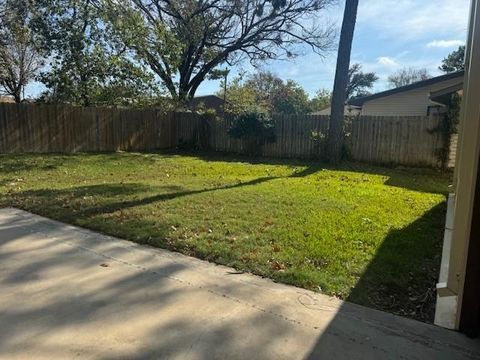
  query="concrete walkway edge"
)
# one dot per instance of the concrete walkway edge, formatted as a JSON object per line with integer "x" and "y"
{"x": 74, "y": 292}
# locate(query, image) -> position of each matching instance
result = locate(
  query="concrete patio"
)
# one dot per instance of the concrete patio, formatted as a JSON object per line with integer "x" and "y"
{"x": 67, "y": 292}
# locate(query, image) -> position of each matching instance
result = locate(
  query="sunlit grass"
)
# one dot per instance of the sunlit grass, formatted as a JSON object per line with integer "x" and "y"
{"x": 369, "y": 234}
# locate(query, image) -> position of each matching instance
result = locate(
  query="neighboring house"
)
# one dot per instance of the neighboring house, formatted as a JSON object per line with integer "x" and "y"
{"x": 6, "y": 99}
{"x": 443, "y": 96}
{"x": 418, "y": 99}
{"x": 207, "y": 102}
{"x": 350, "y": 110}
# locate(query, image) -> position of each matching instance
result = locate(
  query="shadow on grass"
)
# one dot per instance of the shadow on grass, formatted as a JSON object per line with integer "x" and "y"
{"x": 417, "y": 179}
{"x": 401, "y": 277}
{"x": 397, "y": 260}
{"x": 141, "y": 311}
{"x": 44, "y": 196}
{"x": 12, "y": 163}
{"x": 411, "y": 178}
{"x": 409, "y": 257}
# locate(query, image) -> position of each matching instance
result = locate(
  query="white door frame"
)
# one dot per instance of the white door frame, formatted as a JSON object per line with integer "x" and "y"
{"x": 465, "y": 178}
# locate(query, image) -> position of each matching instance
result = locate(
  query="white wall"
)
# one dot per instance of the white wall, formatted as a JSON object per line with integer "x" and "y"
{"x": 349, "y": 110}
{"x": 408, "y": 103}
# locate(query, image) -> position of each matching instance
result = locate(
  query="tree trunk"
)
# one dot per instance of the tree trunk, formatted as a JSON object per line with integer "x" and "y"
{"x": 17, "y": 97}
{"x": 183, "y": 97}
{"x": 335, "y": 133}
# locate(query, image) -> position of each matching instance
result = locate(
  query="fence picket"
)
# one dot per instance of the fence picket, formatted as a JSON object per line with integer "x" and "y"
{"x": 62, "y": 128}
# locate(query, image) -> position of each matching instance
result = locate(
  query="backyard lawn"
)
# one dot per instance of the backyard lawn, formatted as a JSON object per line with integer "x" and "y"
{"x": 368, "y": 234}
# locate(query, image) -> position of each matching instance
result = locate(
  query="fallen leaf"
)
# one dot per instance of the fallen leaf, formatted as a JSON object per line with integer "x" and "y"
{"x": 277, "y": 266}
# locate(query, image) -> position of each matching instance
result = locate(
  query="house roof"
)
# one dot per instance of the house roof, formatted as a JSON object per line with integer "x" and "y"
{"x": 361, "y": 100}
{"x": 209, "y": 101}
{"x": 443, "y": 96}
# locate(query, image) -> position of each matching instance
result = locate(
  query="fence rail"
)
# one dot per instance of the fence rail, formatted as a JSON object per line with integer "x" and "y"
{"x": 61, "y": 128}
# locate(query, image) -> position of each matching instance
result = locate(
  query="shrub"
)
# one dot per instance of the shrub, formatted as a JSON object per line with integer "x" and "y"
{"x": 256, "y": 128}
{"x": 447, "y": 127}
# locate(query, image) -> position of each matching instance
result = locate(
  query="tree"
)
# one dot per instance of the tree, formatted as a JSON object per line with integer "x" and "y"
{"x": 266, "y": 92}
{"x": 407, "y": 76}
{"x": 219, "y": 74}
{"x": 290, "y": 98}
{"x": 242, "y": 98}
{"x": 184, "y": 40}
{"x": 88, "y": 65}
{"x": 20, "y": 54}
{"x": 455, "y": 61}
{"x": 339, "y": 95}
{"x": 359, "y": 82}
{"x": 279, "y": 96}
{"x": 321, "y": 100}
{"x": 265, "y": 83}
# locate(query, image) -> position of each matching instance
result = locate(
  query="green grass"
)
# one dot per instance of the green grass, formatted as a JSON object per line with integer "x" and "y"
{"x": 368, "y": 234}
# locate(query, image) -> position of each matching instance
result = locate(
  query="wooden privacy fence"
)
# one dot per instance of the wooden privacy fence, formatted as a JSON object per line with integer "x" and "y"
{"x": 295, "y": 137}
{"x": 59, "y": 128}
{"x": 411, "y": 140}
{"x": 383, "y": 140}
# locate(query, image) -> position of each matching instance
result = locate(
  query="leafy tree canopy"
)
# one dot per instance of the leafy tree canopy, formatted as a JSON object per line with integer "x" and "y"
{"x": 88, "y": 65}
{"x": 266, "y": 92}
{"x": 241, "y": 98}
{"x": 359, "y": 82}
{"x": 290, "y": 98}
{"x": 455, "y": 61}
{"x": 321, "y": 100}
{"x": 20, "y": 51}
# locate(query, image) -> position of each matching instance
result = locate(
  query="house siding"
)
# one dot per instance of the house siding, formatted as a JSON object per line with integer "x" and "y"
{"x": 349, "y": 110}
{"x": 409, "y": 103}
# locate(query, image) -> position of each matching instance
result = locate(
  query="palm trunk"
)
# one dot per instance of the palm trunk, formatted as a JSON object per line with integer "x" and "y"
{"x": 335, "y": 134}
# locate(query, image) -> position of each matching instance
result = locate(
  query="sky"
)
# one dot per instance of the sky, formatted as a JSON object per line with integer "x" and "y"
{"x": 389, "y": 35}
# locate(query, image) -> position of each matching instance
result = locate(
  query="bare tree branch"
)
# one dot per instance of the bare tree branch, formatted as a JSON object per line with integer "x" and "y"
{"x": 187, "y": 39}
